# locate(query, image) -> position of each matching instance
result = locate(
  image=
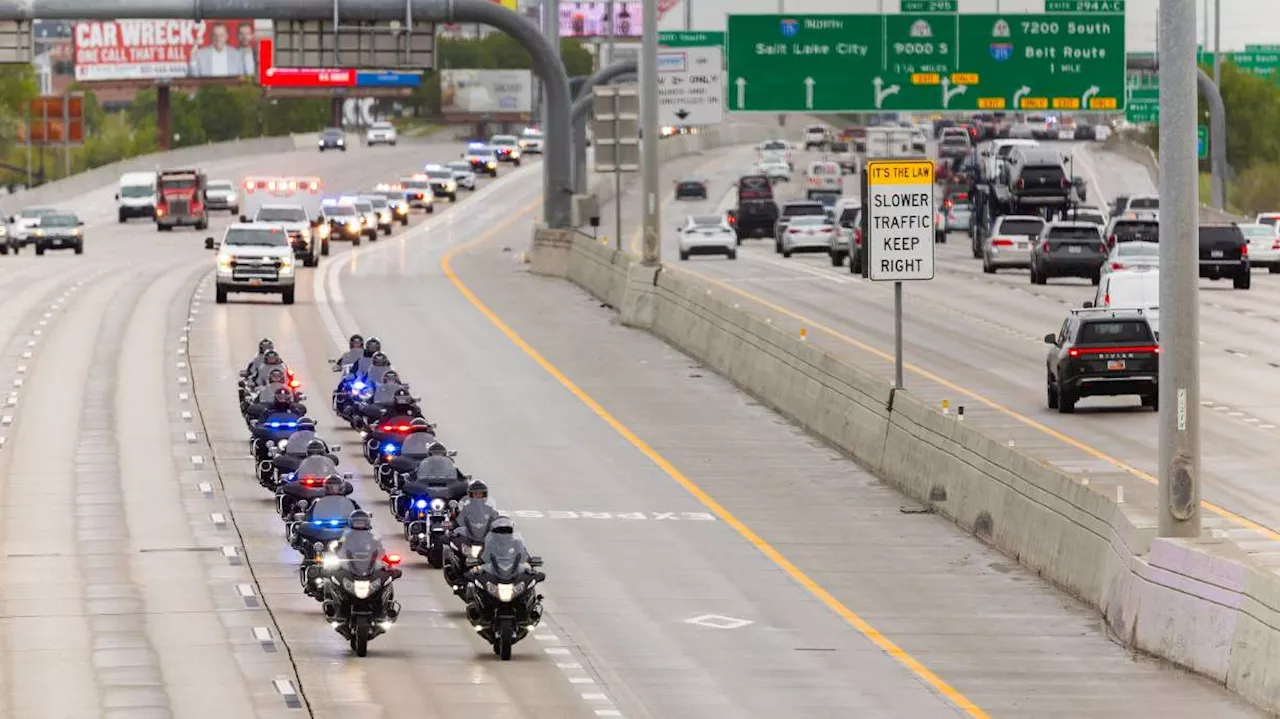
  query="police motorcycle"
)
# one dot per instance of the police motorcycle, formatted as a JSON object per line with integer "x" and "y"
{"x": 284, "y": 459}
{"x": 272, "y": 430}
{"x": 502, "y": 604}
{"x": 399, "y": 460}
{"x": 428, "y": 505}
{"x": 307, "y": 484}
{"x": 467, "y": 534}
{"x": 318, "y": 524}
{"x": 359, "y": 600}
{"x": 390, "y": 398}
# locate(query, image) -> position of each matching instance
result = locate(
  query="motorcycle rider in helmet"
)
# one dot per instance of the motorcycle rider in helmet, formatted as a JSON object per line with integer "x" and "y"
{"x": 264, "y": 344}
{"x": 262, "y": 402}
{"x": 302, "y": 438}
{"x": 475, "y": 514}
{"x": 379, "y": 365}
{"x": 501, "y": 542}
{"x": 359, "y": 537}
{"x": 355, "y": 350}
{"x": 270, "y": 359}
{"x": 314, "y": 529}
{"x": 372, "y": 346}
{"x": 335, "y": 502}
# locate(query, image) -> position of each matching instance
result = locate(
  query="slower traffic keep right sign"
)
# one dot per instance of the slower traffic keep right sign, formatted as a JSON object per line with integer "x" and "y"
{"x": 899, "y": 206}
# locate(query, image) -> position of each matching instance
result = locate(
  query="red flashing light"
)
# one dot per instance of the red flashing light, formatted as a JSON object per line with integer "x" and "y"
{"x": 396, "y": 427}
{"x": 312, "y": 481}
{"x": 391, "y": 559}
{"x": 294, "y": 384}
{"x": 1117, "y": 265}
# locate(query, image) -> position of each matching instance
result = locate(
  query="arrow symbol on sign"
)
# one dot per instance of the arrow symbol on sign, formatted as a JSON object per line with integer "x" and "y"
{"x": 808, "y": 93}
{"x": 742, "y": 92}
{"x": 682, "y": 113}
{"x": 948, "y": 93}
{"x": 1084, "y": 101}
{"x": 883, "y": 92}
{"x": 1021, "y": 93}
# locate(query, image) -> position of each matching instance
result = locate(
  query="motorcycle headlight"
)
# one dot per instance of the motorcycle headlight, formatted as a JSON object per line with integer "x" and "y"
{"x": 384, "y": 216}
{"x": 474, "y": 549}
{"x": 361, "y": 588}
{"x": 437, "y": 504}
{"x": 491, "y": 588}
{"x": 506, "y": 592}
{"x": 330, "y": 562}
{"x": 451, "y": 185}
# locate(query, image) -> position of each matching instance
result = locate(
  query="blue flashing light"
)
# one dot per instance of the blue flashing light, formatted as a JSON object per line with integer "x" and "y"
{"x": 420, "y": 504}
{"x": 282, "y": 425}
{"x": 390, "y": 448}
{"x": 474, "y": 145}
{"x": 329, "y": 522}
{"x": 358, "y": 385}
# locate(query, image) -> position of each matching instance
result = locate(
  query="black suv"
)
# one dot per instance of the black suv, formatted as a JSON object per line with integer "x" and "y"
{"x": 1038, "y": 177}
{"x": 1102, "y": 353}
{"x": 1224, "y": 252}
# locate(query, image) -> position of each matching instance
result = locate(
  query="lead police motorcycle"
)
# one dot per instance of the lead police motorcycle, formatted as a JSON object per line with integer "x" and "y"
{"x": 359, "y": 601}
{"x": 502, "y": 605}
{"x": 308, "y": 484}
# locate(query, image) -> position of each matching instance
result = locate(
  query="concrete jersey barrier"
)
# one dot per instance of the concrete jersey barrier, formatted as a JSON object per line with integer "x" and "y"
{"x": 1203, "y": 604}
{"x": 58, "y": 190}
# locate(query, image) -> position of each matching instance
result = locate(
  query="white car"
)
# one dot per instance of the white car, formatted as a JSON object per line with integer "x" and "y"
{"x": 1010, "y": 242}
{"x": 26, "y": 222}
{"x": 1131, "y": 256}
{"x": 531, "y": 141}
{"x": 1136, "y": 289}
{"x": 816, "y": 136}
{"x": 808, "y": 233}
{"x": 707, "y": 235}
{"x": 824, "y": 175}
{"x": 847, "y": 240}
{"x": 381, "y": 133}
{"x": 463, "y": 173}
{"x": 1264, "y": 245}
{"x": 1085, "y": 213}
{"x": 775, "y": 170}
{"x": 781, "y": 147}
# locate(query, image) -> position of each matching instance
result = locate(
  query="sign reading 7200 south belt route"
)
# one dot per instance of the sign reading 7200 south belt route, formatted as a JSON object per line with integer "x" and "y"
{"x": 900, "y": 220}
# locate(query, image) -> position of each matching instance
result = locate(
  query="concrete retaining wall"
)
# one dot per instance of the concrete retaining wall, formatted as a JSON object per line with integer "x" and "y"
{"x": 1202, "y": 604}
{"x": 107, "y": 175}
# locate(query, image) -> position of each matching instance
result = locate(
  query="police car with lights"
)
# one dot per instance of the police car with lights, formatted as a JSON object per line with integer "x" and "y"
{"x": 531, "y": 141}
{"x": 507, "y": 148}
{"x": 463, "y": 174}
{"x": 343, "y": 221}
{"x": 293, "y": 204}
{"x": 395, "y": 200}
{"x": 482, "y": 159}
{"x": 382, "y": 210}
{"x": 254, "y": 258}
{"x": 418, "y": 192}
{"x": 442, "y": 181}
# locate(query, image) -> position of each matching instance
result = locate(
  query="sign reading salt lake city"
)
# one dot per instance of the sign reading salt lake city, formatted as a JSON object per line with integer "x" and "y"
{"x": 922, "y": 61}
{"x": 900, "y": 215}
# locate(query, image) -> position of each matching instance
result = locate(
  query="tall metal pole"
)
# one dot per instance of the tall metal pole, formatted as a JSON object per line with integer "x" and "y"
{"x": 551, "y": 29}
{"x": 617, "y": 173}
{"x": 1179, "y": 419}
{"x": 650, "y": 133}
{"x": 897, "y": 335}
{"x": 1217, "y": 43}
{"x": 688, "y": 14}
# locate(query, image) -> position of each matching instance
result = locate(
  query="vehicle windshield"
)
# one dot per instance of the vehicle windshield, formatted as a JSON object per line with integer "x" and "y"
{"x": 363, "y": 206}
{"x": 1138, "y": 249}
{"x": 221, "y": 186}
{"x": 416, "y": 184}
{"x": 134, "y": 191}
{"x": 380, "y": 126}
{"x": 178, "y": 183}
{"x": 340, "y": 211}
{"x": 459, "y": 166}
{"x": 1269, "y": 220}
{"x": 34, "y": 212}
{"x": 325, "y": 511}
{"x": 806, "y": 209}
{"x": 376, "y": 202}
{"x": 707, "y": 220}
{"x": 281, "y": 214}
{"x": 1073, "y": 233}
{"x": 331, "y": 132}
{"x": 849, "y": 217}
{"x": 440, "y": 174}
{"x": 839, "y": 147}
{"x": 1096, "y": 218}
{"x": 1258, "y": 232}
{"x": 393, "y": 195}
{"x": 59, "y": 221}
{"x": 1028, "y": 228}
{"x": 530, "y": 132}
{"x": 1137, "y": 231}
{"x": 1144, "y": 203}
{"x": 437, "y": 469}
{"x": 255, "y": 237}
{"x": 1116, "y": 332}
{"x": 503, "y": 140}
{"x": 480, "y": 151}
{"x": 774, "y": 145}
{"x": 809, "y": 221}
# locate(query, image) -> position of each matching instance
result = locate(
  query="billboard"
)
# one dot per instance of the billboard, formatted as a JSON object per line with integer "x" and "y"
{"x": 113, "y": 50}
{"x": 591, "y": 19}
{"x": 478, "y": 92}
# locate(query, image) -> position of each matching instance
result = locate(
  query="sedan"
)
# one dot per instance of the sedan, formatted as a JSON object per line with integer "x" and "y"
{"x": 707, "y": 235}
{"x": 1264, "y": 245}
{"x": 691, "y": 190}
{"x": 1133, "y": 256}
{"x": 808, "y": 233}
{"x": 221, "y": 195}
{"x": 960, "y": 217}
{"x": 463, "y": 174}
{"x": 775, "y": 171}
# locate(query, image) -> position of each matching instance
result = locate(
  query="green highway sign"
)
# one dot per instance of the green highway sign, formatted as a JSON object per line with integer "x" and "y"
{"x": 929, "y": 6}
{"x": 1107, "y": 7}
{"x": 926, "y": 62}
{"x": 690, "y": 38}
{"x": 1259, "y": 63}
{"x": 1142, "y": 97}
{"x": 1202, "y": 142}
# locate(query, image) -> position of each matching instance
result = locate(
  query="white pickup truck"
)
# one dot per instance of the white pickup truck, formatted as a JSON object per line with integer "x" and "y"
{"x": 254, "y": 258}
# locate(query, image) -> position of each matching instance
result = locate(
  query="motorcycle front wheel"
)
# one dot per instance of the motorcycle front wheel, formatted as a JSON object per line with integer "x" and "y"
{"x": 360, "y": 636}
{"x": 503, "y": 639}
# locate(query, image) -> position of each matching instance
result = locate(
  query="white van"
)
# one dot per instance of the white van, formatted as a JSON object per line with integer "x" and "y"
{"x": 137, "y": 195}
{"x": 824, "y": 175}
{"x": 1135, "y": 289}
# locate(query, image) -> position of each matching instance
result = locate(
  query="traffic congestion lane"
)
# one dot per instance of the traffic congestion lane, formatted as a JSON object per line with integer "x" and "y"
{"x": 1026, "y": 615}
{"x": 114, "y": 578}
{"x": 431, "y": 657}
{"x": 981, "y": 354}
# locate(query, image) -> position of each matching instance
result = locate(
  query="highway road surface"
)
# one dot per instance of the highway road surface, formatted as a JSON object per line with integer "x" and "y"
{"x": 705, "y": 558}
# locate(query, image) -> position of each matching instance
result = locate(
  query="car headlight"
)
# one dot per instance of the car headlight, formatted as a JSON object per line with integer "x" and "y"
{"x": 450, "y": 185}
{"x": 490, "y": 164}
{"x": 286, "y": 266}
{"x": 321, "y": 143}
{"x": 384, "y": 216}
{"x": 353, "y": 225}
{"x": 341, "y": 141}
{"x": 39, "y": 233}
{"x": 322, "y": 231}
{"x": 75, "y": 232}
{"x": 224, "y": 262}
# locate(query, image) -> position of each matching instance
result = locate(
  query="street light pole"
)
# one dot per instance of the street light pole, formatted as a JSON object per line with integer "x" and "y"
{"x": 1217, "y": 43}
{"x": 649, "y": 133}
{"x": 1179, "y": 417}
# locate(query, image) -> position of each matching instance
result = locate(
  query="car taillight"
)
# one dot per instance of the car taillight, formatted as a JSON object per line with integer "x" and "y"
{"x": 1066, "y": 183}
{"x": 857, "y": 237}
{"x": 1106, "y": 300}
{"x": 1110, "y": 350}
{"x": 1117, "y": 265}
{"x": 1021, "y": 183}
{"x": 1111, "y": 241}
{"x": 826, "y": 230}
{"x": 1002, "y": 243}
{"x": 792, "y": 230}
{"x": 1244, "y": 250}
{"x": 1044, "y": 246}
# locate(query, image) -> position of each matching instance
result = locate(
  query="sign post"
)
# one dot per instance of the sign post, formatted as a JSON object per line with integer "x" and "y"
{"x": 899, "y": 214}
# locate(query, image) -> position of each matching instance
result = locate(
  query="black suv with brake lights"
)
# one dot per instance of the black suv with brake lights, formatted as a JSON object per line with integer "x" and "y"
{"x": 691, "y": 189}
{"x": 1038, "y": 177}
{"x": 1224, "y": 252}
{"x": 1068, "y": 249}
{"x": 1102, "y": 352}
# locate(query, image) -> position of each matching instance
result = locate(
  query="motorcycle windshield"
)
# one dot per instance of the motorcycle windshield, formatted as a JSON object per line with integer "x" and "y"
{"x": 316, "y": 466}
{"x": 417, "y": 443}
{"x": 474, "y": 526}
{"x": 504, "y": 555}
{"x": 385, "y": 394}
{"x": 328, "y": 510}
{"x": 437, "y": 470}
{"x": 297, "y": 444}
{"x": 360, "y": 552}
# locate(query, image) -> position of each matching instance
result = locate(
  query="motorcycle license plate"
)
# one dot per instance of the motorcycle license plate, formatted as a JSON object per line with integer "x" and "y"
{"x": 1115, "y": 364}
{"x": 255, "y": 283}
{"x": 1216, "y": 254}
{"x": 1075, "y": 249}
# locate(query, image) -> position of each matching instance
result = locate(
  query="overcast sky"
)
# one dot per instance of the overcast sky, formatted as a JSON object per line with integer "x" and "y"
{"x": 1243, "y": 21}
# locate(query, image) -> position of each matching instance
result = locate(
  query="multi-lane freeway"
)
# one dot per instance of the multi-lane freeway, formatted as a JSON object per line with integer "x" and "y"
{"x": 705, "y": 558}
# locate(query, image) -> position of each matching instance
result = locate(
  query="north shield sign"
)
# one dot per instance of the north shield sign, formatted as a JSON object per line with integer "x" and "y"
{"x": 920, "y": 61}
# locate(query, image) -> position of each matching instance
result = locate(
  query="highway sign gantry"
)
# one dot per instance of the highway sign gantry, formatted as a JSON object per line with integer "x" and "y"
{"x": 926, "y": 61}
{"x": 691, "y": 79}
{"x": 900, "y": 220}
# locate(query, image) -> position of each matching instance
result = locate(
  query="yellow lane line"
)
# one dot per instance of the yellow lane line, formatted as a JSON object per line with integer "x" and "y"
{"x": 853, "y": 619}
{"x": 1013, "y": 414}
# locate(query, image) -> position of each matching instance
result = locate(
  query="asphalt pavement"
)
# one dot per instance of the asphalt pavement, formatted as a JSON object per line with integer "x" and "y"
{"x": 705, "y": 558}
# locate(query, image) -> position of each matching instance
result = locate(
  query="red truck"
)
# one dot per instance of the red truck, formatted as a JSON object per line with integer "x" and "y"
{"x": 180, "y": 199}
